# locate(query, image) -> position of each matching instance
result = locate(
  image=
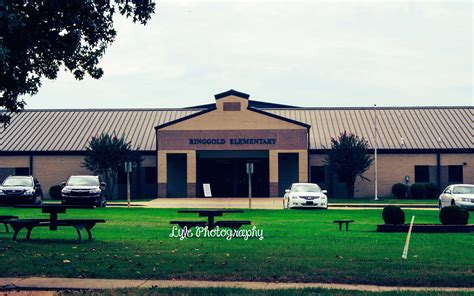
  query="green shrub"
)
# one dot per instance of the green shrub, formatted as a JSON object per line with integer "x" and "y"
{"x": 453, "y": 215}
{"x": 399, "y": 190}
{"x": 417, "y": 190}
{"x": 393, "y": 215}
{"x": 431, "y": 191}
{"x": 55, "y": 191}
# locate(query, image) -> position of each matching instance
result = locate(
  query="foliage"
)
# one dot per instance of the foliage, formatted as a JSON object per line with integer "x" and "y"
{"x": 348, "y": 158}
{"x": 431, "y": 191}
{"x": 399, "y": 190}
{"x": 105, "y": 155}
{"x": 55, "y": 191}
{"x": 417, "y": 190}
{"x": 453, "y": 215}
{"x": 40, "y": 37}
{"x": 393, "y": 215}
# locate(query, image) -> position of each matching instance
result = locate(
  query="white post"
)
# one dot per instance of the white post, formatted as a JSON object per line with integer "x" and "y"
{"x": 375, "y": 152}
{"x": 407, "y": 242}
{"x": 128, "y": 189}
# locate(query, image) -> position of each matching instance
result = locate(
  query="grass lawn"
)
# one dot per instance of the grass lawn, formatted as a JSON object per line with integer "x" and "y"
{"x": 299, "y": 245}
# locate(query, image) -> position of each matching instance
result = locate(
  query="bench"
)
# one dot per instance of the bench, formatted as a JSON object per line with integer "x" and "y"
{"x": 189, "y": 224}
{"x": 78, "y": 224}
{"x": 342, "y": 222}
{"x": 234, "y": 224}
{"x": 4, "y": 218}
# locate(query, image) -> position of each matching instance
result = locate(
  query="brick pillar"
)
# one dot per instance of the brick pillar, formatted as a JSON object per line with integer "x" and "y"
{"x": 191, "y": 173}
{"x": 273, "y": 173}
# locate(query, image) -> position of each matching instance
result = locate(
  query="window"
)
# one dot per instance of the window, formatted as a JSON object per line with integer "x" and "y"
{"x": 231, "y": 106}
{"x": 150, "y": 175}
{"x": 422, "y": 173}
{"x": 318, "y": 174}
{"x": 455, "y": 174}
{"x": 22, "y": 171}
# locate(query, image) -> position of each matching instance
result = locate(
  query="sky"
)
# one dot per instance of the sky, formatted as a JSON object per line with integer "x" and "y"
{"x": 302, "y": 53}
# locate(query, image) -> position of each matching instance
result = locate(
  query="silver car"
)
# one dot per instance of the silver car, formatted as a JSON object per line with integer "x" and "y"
{"x": 461, "y": 195}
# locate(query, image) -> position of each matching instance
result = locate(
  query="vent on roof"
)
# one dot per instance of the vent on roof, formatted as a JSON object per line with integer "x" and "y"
{"x": 231, "y": 106}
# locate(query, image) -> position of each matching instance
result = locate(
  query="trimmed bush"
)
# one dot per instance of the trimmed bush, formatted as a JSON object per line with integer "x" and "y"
{"x": 431, "y": 191}
{"x": 55, "y": 191}
{"x": 393, "y": 215}
{"x": 417, "y": 190}
{"x": 399, "y": 190}
{"x": 453, "y": 215}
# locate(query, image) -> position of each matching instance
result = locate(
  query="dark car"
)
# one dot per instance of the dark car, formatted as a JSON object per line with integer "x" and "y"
{"x": 21, "y": 190}
{"x": 84, "y": 190}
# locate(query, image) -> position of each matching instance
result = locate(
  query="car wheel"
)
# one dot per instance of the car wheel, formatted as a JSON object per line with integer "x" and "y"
{"x": 104, "y": 203}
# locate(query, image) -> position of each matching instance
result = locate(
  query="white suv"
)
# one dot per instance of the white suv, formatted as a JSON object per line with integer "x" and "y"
{"x": 305, "y": 195}
{"x": 461, "y": 195}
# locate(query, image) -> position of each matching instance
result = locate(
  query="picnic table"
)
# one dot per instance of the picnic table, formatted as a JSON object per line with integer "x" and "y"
{"x": 3, "y": 220}
{"x": 340, "y": 222}
{"x": 211, "y": 214}
{"x": 53, "y": 222}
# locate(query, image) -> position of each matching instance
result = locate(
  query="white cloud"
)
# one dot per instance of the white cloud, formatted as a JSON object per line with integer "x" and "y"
{"x": 303, "y": 53}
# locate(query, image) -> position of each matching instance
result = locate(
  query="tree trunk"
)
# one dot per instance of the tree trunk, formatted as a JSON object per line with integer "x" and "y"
{"x": 350, "y": 189}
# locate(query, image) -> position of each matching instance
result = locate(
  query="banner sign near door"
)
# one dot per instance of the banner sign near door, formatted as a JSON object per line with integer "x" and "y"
{"x": 207, "y": 189}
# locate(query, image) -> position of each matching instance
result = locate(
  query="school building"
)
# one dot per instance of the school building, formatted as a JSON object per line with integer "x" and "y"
{"x": 183, "y": 148}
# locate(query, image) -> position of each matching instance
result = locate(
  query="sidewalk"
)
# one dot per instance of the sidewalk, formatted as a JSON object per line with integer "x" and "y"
{"x": 257, "y": 203}
{"x": 43, "y": 284}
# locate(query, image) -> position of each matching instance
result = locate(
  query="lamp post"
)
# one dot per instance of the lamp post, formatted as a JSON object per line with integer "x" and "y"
{"x": 375, "y": 152}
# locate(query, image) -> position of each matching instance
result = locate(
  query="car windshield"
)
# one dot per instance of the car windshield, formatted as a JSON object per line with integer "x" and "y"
{"x": 463, "y": 190}
{"x": 83, "y": 181}
{"x": 11, "y": 182}
{"x": 306, "y": 188}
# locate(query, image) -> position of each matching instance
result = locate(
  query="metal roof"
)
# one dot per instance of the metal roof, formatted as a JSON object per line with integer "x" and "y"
{"x": 398, "y": 128}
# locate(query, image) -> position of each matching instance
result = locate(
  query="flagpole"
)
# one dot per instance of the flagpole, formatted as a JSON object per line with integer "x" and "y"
{"x": 375, "y": 151}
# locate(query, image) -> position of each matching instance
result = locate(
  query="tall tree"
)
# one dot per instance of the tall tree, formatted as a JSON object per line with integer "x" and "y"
{"x": 348, "y": 158}
{"x": 106, "y": 155}
{"x": 39, "y": 37}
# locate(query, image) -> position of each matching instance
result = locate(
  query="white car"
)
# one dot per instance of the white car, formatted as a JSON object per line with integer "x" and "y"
{"x": 305, "y": 195}
{"x": 461, "y": 195}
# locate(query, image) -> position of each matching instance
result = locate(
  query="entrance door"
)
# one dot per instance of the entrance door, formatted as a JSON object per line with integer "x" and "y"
{"x": 287, "y": 171}
{"x": 176, "y": 175}
{"x": 226, "y": 173}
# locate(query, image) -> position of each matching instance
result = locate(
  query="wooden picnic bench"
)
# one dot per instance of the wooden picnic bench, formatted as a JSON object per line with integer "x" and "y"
{"x": 211, "y": 214}
{"x": 342, "y": 222}
{"x": 53, "y": 222}
{"x": 5, "y": 218}
{"x": 78, "y": 224}
{"x": 234, "y": 224}
{"x": 189, "y": 224}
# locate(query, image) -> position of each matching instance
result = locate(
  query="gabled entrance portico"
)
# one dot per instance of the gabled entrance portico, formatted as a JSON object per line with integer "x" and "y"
{"x": 213, "y": 146}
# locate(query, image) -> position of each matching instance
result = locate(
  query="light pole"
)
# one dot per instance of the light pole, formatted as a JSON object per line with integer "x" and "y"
{"x": 375, "y": 151}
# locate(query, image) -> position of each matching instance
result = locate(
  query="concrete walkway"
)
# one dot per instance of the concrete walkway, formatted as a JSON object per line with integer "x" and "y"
{"x": 257, "y": 203}
{"x": 42, "y": 284}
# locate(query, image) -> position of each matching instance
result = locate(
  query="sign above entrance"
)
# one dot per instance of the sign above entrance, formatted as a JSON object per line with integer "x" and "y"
{"x": 284, "y": 139}
{"x": 241, "y": 141}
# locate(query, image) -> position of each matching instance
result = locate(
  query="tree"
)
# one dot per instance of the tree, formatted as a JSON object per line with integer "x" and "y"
{"x": 348, "y": 158}
{"x": 106, "y": 155}
{"x": 39, "y": 37}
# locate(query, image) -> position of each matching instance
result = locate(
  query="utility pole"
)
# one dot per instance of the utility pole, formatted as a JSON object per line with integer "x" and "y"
{"x": 375, "y": 151}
